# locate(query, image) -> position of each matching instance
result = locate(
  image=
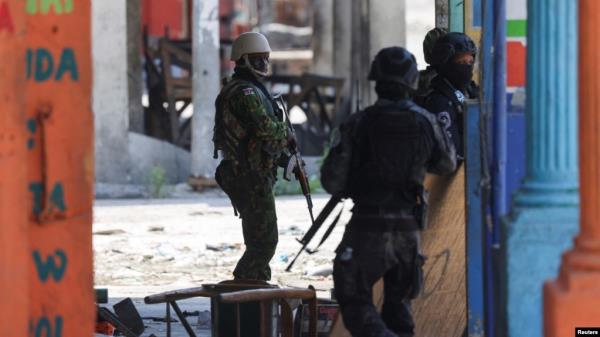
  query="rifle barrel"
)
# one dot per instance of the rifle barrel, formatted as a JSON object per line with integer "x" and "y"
{"x": 289, "y": 267}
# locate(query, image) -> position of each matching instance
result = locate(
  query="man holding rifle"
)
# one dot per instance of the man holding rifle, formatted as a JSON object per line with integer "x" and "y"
{"x": 387, "y": 150}
{"x": 253, "y": 140}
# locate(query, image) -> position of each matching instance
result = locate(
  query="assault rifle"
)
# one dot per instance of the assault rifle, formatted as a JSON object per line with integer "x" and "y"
{"x": 295, "y": 164}
{"x": 308, "y": 236}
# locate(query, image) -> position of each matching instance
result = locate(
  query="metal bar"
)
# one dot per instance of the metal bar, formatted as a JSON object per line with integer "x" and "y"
{"x": 184, "y": 321}
{"x": 500, "y": 207}
{"x": 500, "y": 114}
{"x": 168, "y": 320}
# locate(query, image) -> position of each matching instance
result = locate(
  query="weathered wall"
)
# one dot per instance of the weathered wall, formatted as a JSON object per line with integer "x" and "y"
{"x": 206, "y": 84}
{"x": 322, "y": 38}
{"x": 60, "y": 169}
{"x": 376, "y": 24}
{"x": 14, "y": 241}
{"x": 146, "y": 153}
{"x": 110, "y": 89}
{"x": 124, "y": 156}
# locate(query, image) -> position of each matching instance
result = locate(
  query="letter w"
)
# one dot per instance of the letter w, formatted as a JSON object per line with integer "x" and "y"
{"x": 49, "y": 267}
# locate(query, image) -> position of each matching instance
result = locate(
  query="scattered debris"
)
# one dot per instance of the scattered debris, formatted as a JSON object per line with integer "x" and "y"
{"x": 204, "y": 319}
{"x": 147, "y": 258}
{"x": 283, "y": 258}
{"x": 198, "y": 249}
{"x": 292, "y": 230}
{"x": 223, "y": 247}
{"x": 159, "y": 319}
{"x": 129, "y": 316}
{"x": 110, "y": 232}
{"x": 322, "y": 270}
{"x": 196, "y": 213}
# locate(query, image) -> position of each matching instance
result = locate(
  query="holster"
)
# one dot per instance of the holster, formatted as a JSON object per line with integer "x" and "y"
{"x": 421, "y": 209}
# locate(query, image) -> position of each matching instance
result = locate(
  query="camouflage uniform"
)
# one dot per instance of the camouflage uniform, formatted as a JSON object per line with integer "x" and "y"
{"x": 251, "y": 140}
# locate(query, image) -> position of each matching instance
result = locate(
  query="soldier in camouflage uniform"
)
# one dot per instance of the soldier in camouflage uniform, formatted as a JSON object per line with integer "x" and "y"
{"x": 252, "y": 141}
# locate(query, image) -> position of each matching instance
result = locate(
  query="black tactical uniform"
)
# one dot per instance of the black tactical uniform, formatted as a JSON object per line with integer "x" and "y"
{"x": 452, "y": 86}
{"x": 395, "y": 143}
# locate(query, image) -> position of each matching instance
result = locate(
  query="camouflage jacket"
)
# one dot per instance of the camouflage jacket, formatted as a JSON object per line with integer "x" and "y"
{"x": 247, "y": 131}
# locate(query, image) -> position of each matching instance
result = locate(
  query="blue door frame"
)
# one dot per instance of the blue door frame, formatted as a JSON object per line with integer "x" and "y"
{"x": 486, "y": 152}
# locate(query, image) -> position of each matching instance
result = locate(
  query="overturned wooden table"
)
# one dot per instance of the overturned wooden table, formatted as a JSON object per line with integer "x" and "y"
{"x": 239, "y": 303}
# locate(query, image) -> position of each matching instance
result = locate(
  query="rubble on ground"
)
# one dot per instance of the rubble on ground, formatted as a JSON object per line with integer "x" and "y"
{"x": 185, "y": 242}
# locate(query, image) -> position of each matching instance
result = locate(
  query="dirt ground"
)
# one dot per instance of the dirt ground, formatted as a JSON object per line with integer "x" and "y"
{"x": 162, "y": 244}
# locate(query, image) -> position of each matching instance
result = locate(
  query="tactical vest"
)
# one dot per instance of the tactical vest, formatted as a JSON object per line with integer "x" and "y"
{"x": 229, "y": 136}
{"x": 392, "y": 156}
{"x": 232, "y": 138}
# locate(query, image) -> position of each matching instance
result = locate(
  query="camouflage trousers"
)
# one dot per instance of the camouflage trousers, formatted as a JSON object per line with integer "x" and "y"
{"x": 362, "y": 258}
{"x": 252, "y": 197}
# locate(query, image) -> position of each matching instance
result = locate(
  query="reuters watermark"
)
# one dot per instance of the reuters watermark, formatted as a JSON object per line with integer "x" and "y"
{"x": 587, "y": 332}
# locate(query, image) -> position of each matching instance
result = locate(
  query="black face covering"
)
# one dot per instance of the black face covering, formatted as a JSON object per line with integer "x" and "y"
{"x": 260, "y": 63}
{"x": 460, "y": 75}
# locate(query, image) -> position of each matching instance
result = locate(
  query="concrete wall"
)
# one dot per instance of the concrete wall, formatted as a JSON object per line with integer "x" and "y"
{"x": 110, "y": 90}
{"x": 146, "y": 153}
{"x": 441, "y": 13}
{"x": 122, "y": 156}
{"x": 206, "y": 85}
{"x": 322, "y": 38}
{"x": 375, "y": 24}
{"x": 387, "y": 24}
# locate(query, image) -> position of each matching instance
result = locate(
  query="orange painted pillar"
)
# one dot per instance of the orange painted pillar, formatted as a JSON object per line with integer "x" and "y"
{"x": 14, "y": 257}
{"x": 573, "y": 300}
{"x": 59, "y": 125}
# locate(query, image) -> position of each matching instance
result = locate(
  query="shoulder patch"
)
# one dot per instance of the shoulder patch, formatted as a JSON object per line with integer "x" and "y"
{"x": 248, "y": 91}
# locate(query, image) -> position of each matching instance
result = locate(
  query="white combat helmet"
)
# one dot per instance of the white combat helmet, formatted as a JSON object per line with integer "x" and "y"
{"x": 249, "y": 43}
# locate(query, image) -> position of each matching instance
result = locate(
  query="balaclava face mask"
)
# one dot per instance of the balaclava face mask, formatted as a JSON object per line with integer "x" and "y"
{"x": 258, "y": 64}
{"x": 460, "y": 75}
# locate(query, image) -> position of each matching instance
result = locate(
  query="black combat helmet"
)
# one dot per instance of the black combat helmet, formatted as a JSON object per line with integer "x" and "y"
{"x": 449, "y": 45}
{"x": 429, "y": 42}
{"x": 395, "y": 64}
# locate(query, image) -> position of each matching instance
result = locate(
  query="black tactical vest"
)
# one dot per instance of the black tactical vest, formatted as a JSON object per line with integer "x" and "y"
{"x": 392, "y": 156}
